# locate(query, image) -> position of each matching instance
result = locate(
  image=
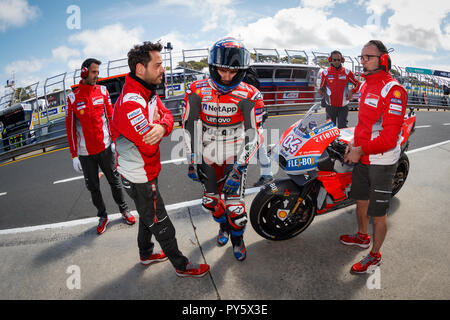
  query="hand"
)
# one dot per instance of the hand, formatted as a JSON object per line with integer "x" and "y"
{"x": 233, "y": 180}
{"x": 321, "y": 91}
{"x": 155, "y": 135}
{"x": 353, "y": 154}
{"x": 347, "y": 149}
{"x": 77, "y": 165}
{"x": 192, "y": 174}
{"x": 349, "y": 95}
{"x": 156, "y": 115}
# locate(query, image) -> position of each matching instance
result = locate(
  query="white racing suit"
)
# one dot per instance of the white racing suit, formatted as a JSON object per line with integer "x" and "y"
{"x": 220, "y": 135}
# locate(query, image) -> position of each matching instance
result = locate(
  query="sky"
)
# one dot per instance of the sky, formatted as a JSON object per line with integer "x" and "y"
{"x": 40, "y": 39}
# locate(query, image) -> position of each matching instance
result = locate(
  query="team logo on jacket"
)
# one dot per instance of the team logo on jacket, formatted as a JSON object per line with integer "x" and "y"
{"x": 81, "y": 105}
{"x": 395, "y": 109}
{"x": 97, "y": 101}
{"x": 221, "y": 109}
{"x": 137, "y": 119}
{"x": 134, "y": 113}
{"x": 141, "y": 125}
{"x": 372, "y": 100}
{"x": 240, "y": 93}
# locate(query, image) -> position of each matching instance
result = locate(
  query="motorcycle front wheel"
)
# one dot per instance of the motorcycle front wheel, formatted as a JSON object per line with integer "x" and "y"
{"x": 400, "y": 174}
{"x": 268, "y": 220}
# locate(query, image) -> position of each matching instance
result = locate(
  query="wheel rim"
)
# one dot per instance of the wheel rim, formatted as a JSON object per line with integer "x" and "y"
{"x": 270, "y": 223}
{"x": 399, "y": 177}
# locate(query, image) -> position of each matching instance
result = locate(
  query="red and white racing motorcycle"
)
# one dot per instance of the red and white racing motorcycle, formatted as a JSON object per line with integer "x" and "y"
{"x": 311, "y": 152}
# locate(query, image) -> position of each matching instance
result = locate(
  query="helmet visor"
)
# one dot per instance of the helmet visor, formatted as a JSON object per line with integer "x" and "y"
{"x": 229, "y": 57}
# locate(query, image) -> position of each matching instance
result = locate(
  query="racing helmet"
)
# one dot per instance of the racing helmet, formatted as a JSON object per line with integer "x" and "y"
{"x": 228, "y": 53}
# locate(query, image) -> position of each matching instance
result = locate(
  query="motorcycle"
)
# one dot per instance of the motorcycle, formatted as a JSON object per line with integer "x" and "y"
{"x": 311, "y": 153}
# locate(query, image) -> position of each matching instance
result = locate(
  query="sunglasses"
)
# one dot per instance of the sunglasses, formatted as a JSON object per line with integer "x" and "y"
{"x": 366, "y": 57}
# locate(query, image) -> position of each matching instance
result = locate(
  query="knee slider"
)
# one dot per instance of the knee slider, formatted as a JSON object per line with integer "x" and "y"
{"x": 237, "y": 217}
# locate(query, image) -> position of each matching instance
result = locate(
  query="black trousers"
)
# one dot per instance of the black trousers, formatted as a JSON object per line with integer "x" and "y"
{"x": 338, "y": 113}
{"x": 163, "y": 230}
{"x": 106, "y": 162}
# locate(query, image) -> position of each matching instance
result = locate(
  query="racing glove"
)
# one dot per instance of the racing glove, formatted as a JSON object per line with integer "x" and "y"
{"x": 233, "y": 180}
{"x": 77, "y": 165}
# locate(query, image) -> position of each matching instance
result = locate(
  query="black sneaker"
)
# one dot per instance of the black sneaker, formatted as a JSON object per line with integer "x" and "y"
{"x": 263, "y": 180}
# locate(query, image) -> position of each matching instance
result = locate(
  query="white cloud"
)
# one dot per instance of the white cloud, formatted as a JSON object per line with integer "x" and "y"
{"x": 62, "y": 53}
{"x": 16, "y": 13}
{"x": 212, "y": 13}
{"x": 109, "y": 43}
{"x": 30, "y": 66}
{"x": 25, "y": 71}
{"x": 302, "y": 28}
{"x": 413, "y": 23}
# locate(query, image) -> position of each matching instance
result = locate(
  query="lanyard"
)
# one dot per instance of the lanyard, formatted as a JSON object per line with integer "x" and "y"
{"x": 155, "y": 218}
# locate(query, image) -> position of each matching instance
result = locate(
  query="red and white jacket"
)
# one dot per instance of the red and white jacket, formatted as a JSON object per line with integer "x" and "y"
{"x": 382, "y": 107}
{"x": 89, "y": 114}
{"x": 335, "y": 83}
{"x": 137, "y": 161}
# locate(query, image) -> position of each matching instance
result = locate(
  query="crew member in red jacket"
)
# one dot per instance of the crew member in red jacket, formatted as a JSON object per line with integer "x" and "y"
{"x": 334, "y": 86}
{"x": 375, "y": 150}
{"x": 89, "y": 113}
{"x": 140, "y": 121}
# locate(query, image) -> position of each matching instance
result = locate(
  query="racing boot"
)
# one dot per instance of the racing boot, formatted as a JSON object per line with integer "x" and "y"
{"x": 224, "y": 234}
{"x": 239, "y": 249}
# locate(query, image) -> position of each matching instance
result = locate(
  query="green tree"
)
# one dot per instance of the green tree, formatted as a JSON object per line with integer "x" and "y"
{"x": 195, "y": 65}
{"x": 298, "y": 60}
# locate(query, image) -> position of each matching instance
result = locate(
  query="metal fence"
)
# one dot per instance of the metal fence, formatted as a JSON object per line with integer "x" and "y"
{"x": 53, "y": 134}
{"x": 49, "y": 132}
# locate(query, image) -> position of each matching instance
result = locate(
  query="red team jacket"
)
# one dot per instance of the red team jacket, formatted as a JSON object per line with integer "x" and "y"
{"x": 335, "y": 82}
{"x": 137, "y": 161}
{"x": 382, "y": 107}
{"x": 89, "y": 114}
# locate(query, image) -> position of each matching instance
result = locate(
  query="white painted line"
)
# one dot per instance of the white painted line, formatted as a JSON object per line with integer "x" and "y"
{"x": 428, "y": 147}
{"x": 82, "y": 177}
{"x": 169, "y": 207}
{"x": 112, "y": 217}
{"x": 426, "y": 126}
{"x": 446, "y": 124}
{"x": 67, "y": 180}
{"x": 174, "y": 161}
{"x": 66, "y": 224}
{"x": 3, "y": 194}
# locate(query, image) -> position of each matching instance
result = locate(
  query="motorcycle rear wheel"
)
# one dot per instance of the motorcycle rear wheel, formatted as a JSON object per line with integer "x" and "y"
{"x": 265, "y": 221}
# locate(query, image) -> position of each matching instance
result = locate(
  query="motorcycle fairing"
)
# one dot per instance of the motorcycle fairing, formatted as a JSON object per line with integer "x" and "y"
{"x": 301, "y": 149}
